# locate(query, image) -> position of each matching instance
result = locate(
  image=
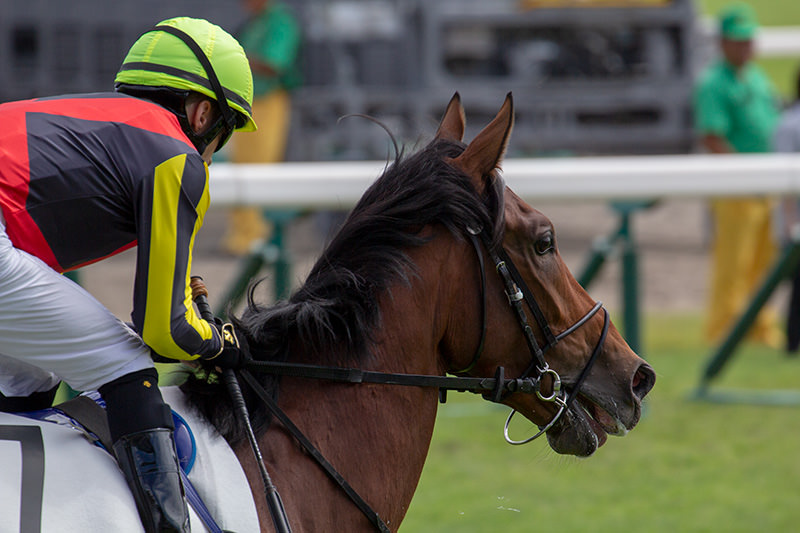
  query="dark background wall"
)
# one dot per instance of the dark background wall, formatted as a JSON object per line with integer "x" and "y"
{"x": 585, "y": 80}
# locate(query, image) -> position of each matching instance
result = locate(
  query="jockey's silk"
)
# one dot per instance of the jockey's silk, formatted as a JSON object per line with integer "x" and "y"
{"x": 83, "y": 177}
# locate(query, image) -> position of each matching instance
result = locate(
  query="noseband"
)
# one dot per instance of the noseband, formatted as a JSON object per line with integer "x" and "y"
{"x": 518, "y": 293}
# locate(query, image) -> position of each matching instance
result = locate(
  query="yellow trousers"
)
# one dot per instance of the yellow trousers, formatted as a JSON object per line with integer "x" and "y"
{"x": 743, "y": 251}
{"x": 267, "y": 145}
{"x": 272, "y": 113}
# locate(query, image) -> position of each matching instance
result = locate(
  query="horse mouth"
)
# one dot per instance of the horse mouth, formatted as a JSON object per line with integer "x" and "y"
{"x": 584, "y": 428}
{"x": 601, "y": 419}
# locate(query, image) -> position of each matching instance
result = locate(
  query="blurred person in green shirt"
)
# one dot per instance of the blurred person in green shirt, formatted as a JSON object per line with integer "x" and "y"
{"x": 736, "y": 111}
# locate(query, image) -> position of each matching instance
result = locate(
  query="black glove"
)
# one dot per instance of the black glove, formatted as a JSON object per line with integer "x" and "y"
{"x": 234, "y": 353}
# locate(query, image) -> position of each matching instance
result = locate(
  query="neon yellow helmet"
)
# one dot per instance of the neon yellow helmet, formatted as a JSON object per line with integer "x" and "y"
{"x": 188, "y": 54}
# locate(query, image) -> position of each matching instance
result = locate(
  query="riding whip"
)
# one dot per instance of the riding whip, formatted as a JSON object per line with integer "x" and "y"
{"x": 274, "y": 502}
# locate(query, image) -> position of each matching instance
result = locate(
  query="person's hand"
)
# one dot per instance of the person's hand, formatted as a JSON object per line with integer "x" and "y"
{"x": 234, "y": 353}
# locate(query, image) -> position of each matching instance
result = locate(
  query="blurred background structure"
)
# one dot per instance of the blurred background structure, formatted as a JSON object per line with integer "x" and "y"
{"x": 585, "y": 79}
{"x": 52, "y": 47}
{"x": 612, "y": 80}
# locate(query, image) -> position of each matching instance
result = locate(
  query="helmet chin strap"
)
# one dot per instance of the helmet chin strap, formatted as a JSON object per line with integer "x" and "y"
{"x": 201, "y": 140}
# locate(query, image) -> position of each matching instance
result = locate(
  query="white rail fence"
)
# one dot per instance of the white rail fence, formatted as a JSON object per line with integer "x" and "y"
{"x": 770, "y": 41}
{"x": 778, "y": 41}
{"x": 339, "y": 185}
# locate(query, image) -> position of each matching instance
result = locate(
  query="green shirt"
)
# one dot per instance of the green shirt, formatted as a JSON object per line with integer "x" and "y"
{"x": 739, "y": 107}
{"x": 273, "y": 36}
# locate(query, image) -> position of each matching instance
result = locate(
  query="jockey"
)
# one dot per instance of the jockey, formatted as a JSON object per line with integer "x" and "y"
{"x": 83, "y": 177}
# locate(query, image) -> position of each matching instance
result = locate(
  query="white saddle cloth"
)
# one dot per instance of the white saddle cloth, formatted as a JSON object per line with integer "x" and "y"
{"x": 85, "y": 491}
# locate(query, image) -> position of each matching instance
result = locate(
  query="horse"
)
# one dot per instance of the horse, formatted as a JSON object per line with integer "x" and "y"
{"x": 401, "y": 304}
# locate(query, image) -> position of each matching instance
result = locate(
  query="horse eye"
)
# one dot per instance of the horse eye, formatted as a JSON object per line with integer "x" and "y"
{"x": 545, "y": 244}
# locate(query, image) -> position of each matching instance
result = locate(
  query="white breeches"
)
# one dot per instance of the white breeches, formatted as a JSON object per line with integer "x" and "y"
{"x": 51, "y": 329}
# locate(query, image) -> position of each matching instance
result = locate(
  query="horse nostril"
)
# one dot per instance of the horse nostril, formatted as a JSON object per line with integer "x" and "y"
{"x": 643, "y": 381}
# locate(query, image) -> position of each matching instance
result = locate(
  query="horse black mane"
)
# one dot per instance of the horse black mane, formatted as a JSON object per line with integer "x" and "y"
{"x": 330, "y": 320}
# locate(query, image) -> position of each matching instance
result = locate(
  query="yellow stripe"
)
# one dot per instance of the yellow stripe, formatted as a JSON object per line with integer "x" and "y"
{"x": 161, "y": 269}
{"x": 191, "y": 316}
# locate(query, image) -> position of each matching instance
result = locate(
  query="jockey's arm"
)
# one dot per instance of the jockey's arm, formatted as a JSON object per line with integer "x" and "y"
{"x": 171, "y": 211}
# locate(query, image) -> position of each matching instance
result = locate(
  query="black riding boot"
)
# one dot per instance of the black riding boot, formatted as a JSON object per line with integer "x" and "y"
{"x": 141, "y": 430}
{"x": 150, "y": 464}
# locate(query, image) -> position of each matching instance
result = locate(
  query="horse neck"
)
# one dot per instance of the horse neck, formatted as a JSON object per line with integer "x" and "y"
{"x": 376, "y": 436}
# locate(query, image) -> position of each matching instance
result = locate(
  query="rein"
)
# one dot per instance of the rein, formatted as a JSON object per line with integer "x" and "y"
{"x": 273, "y": 498}
{"x": 493, "y": 389}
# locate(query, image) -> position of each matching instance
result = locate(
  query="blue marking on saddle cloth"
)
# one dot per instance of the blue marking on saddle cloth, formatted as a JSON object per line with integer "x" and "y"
{"x": 185, "y": 445}
{"x": 59, "y": 418}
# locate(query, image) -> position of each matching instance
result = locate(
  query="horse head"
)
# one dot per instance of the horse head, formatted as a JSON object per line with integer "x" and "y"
{"x": 603, "y": 380}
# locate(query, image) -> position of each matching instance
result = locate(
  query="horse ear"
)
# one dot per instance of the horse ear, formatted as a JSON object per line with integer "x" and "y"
{"x": 452, "y": 125}
{"x": 484, "y": 153}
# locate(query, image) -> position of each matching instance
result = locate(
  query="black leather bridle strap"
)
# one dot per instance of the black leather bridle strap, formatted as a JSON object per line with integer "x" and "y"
{"x": 597, "y": 306}
{"x": 515, "y": 300}
{"x": 538, "y": 315}
{"x": 356, "y": 376}
{"x": 363, "y": 506}
{"x": 590, "y": 363}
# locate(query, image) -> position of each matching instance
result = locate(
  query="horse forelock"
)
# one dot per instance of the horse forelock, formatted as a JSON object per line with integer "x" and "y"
{"x": 332, "y": 317}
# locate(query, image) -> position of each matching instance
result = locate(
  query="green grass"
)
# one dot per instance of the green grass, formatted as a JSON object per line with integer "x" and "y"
{"x": 783, "y": 73}
{"x": 768, "y": 12}
{"x": 689, "y": 466}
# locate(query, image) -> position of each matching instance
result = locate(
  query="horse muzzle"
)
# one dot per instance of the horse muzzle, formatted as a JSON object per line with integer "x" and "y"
{"x": 592, "y": 417}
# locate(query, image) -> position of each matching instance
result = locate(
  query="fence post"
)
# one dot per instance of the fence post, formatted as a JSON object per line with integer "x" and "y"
{"x": 786, "y": 264}
{"x": 272, "y": 252}
{"x": 630, "y": 281}
{"x": 603, "y": 248}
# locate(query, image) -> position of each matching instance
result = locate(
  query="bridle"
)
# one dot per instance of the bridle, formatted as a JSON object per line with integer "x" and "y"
{"x": 494, "y": 389}
{"x": 517, "y": 292}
